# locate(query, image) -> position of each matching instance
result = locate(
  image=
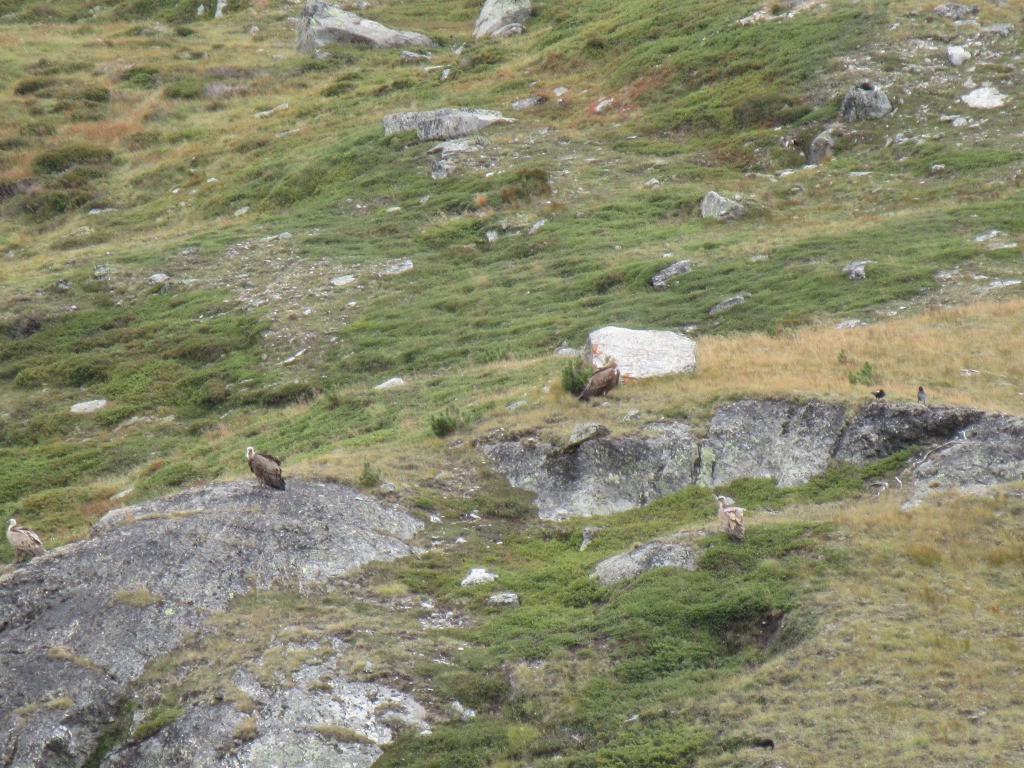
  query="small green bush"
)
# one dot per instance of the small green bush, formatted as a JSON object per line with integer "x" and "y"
{"x": 183, "y": 89}
{"x": 575, "y": 375}
{"x": 863, "y": 375}
{"x": 448, "y": 421}
{"x": 141, "y": 77}
{"x": 526, "y": 183}
{"x": 65, "y": 158}
{"x": 370, "y": 477}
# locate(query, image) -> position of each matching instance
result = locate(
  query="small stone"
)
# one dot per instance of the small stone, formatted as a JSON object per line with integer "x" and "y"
{"x": 984, "y": 98}
{"x": 536, "y": 227}
{"x": 446, "y": 73}
{"x": 957, "y": 55}
{"x": 396, "y": 268}
{"x": 856, "y": 270}
{"x": 478, "y": 576}
{"x": 727, "y": 304}
{"x": 651, "y": 183}
{"x": 158, "y": 279}
{"x": 516, "y": 405}
{"x": 89, "y": 406}
{"x": 242, "y": 211}
{"x": 589, "y": 534}
{"x": 509, "y": 30}
{"x": 413, "y": 57}
{"x": 850, "y": 324}
{"x": 603, "y": 105}
{"x": 337, "y": 282}
{"x": 659, "y": 281}
{"x": 528, "y": 102}
{"x": 956, "y": 11}
{"x": 503, "y": 598}
{"x": 491, "y": 235}
{"x": 560, "y": 91}
{"x": 62, "y": 285}
{"x": 395, "y": 381}
{"x": 715, "y": 206}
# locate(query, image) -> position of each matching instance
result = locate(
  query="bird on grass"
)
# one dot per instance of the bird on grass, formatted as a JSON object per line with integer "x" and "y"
{"x": 921, "y": 396}
{"x": 26, "y": 543}
{"x": 603, "y": 381}
{"x": 267, "y": 468}
{"x": 731, "y": 517}
{"x": 879, "y": 395}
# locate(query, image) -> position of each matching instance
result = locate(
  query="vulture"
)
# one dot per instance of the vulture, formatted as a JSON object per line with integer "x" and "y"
{"x": 26, "y": 543}
{"x": 921, "y": 397}
{"x": 602, "y": 382}
{"x": 879, "y": 395}
{"x": 267, "y": 468}
{"x": 731, "y": 517}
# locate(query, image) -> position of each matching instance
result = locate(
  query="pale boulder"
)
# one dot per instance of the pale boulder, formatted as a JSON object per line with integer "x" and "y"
{"x": 321, "y": 24}
{"x": 498, "y": 14}
{"x": 641, "y": 354}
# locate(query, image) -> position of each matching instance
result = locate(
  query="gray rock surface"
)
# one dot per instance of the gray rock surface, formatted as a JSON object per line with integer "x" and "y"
{"x": 865, "y": 102}
{"x": 821, "y": 147}
{"x": 497, "y": 14}
{"x": 321, "y": 24}
{"x": 641, "y": 353}
{"x": 583, "y": 432}
{"x": 82, "y": 621}
{"x": 856, "y": 270}
{"x": 956, "y": 11}
{"x": 880, "y": 429}
{"x": 715, "y": 206}
{"x": 726, "y": 304}
{"x": 654, "y": 554}
{"x": 442, "y": 124}
{"x": 602, "y": 475}
{"x": 659, "y": 281}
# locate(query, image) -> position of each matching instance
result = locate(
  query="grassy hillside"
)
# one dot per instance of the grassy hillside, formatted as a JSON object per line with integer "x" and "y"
{"x": 138, "y": 138}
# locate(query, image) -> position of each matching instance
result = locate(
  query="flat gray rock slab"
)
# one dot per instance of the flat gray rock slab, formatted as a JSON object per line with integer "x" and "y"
{"x": 641, "y": 353}
{"x": 152, "y": 573}
{"x": 442, "y": 124}
{"x": 654, "y": 554}
{"x": 321, "y": 24}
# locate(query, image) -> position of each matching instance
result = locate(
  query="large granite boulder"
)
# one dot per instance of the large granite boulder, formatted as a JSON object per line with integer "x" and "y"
{"x": 640, "y": 354}
{"x": 821, "y": 147}
{"x": 79, "y": 624}
{"x": 321, "y": 24}
{"x": 864, "y": 102}
{"x": 498, "y": 14}
{"x": 715, "y": 206}
{"x": 880, "y": 429}
{"x": 442, "y": 124}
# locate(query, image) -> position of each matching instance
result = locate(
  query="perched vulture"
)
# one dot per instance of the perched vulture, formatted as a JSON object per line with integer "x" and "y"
{"x": 731, "y": 517}
{"x": 602, "y": 382}
{"x": 921, "y": 396}
{"x": 267, "y": 468}
{"x": 879, "y": 395}
{"x": 26, "y": 543}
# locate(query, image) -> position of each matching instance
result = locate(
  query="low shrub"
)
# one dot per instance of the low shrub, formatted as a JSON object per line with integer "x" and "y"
{"x": 183, "y": 89}
{"x": 65, "y": 158}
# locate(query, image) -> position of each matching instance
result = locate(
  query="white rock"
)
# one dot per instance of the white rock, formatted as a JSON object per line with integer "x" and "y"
{"x": 321, "y": 24}
{"x": 536, "y": 227}
{"x": 642, "y": 353}
{"x": 560, "y": 91}
{"x": 394, "y": 381}
{"x": 337, "y": 282}
{"x": 396, "y": 268}
{"x": 242, "y": 211}
{"x": 158, "y": 279}
{"x": 89, "y": 406}
{"x": 984, "y": 98}
{"x": 715, "y": 206}
{"x": 442, "y": 124}
{"x": 478, "y": 576}
{"x": 603, "y": 105}
{"x": 503, "y": 598}
{"x": 497, "y": 14}
{"x": 957, "y": 55}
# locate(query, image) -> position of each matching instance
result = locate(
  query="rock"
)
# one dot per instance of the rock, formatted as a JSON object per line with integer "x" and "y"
{"x": 89, "y": 406}
{"x": 602, "y": 475}
{"x": 957, "y": 54}
{"x": 341, "y": 280}
{"x": 411, "y": 57}
{"x": 881, "y": 429}
{"x": 503, "y": 599}
{"x": 583, "y": 432}
{"x": 865, "y": 102}
{"x": 1002, "y": 29}
{"x": 790, "y": 442}
{"x": 442, "y": 124}
{"x": 395, "y": 268}
{"x": 651, "y": 184}
{"x": 442, "y": 169}
{"x": 603, "y": 105}
{"x": 390, "y": 383}
{"x": 856, "y": 270}
{"x": 821, "y": 148}
{"x": 158, "y": 279}
{"x": 659, "y": 281}
{"x": 528, "y": 102}
{"x": 655, "y": 554}
{"x": 478, "y": 576}
{"x": 459, "y": 146}
{"x": 497, "y": 14}
{"x": 62, "y": 285}
{"x": 714, "y": 206}
{"x": 321, "y": 24}
{"x": 956, "y": 11}
{"x": 589, "y": 534}
{"x": 150, "y": 575}
{"x": 726, "y": 305}
{"x": 536, "y": 227}
{"x": 640, "y": 354}
{"x": 509, "y": 30}
{"x": 984, "y": 98}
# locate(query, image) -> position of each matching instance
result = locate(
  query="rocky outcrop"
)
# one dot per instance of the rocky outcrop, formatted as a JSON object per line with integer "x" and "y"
{"x": 653, "y": 554}
{"x": 790, "y": 442}
{"x": 601, "y": 475}
{"x": 864, "y": 102}
{"x": 442, "y": 124}
{"x": 715, "y": 206}
{"x": 80, "y": 623}
{"x": 497, "y": 15}
{"x": 821, "y": 147}
{"x": 321, "y": 24}
{"x": 640, "y": 353}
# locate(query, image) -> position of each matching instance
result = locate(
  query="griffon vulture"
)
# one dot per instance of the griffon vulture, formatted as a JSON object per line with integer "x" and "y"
{"x": 731, "y": 517}
{"x": 602, "y": 382}
{"x": 267, "y": 468}
{"x": 26, "y": 543}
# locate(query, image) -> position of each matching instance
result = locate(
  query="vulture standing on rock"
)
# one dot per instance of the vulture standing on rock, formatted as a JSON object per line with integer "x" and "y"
{"x": 731, "y": 517}
{"x": 267, "y": 468}
{"x": 26, "y": 543}
{"x": 602, "y": 382}
{"x": 879, "y": 395}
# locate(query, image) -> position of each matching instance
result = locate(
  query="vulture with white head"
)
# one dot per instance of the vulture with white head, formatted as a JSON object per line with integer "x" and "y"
{"x": 26, "y": 543}
{"x": 267, "y": 468}
{"x": 731, "y": 517}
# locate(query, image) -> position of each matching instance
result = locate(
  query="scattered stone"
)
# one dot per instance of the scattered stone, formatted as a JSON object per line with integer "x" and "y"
{"x": 727, "y": 304}
{"x": 659, "y": 281}
{"x": 528, "y": 102}
{"x": 850, "y": 324}
{"x": 651, "y": 183}
{"x": 956, "y": 11}
{"x": 62, "y": 285}
{"x": 101, "y": 270}
{"x": 411, "y": 57}
{"x": 567, "y": 352}
{"x": 441, "y": 169}
{"x": 265, "y": 113}
{"x": 517, "y": 405}
{"x": 583, "y": 432}
{"x": 655, "y": 554}
{"x": 510, "y": 30}
{"x": 89, "y": 406}
{"x": 294, "y": 358}
{"x": 442, "y": 124}
{"x": 395, "y": 381}
{"x": 714, "y": 206}
{"x": 957, "y": 54}
{"x": 503, "y": 599}
{"x": 122, "y": 494}
{"x": 856, "y": 270}
{"x": 396, "y": 268}
{"x": 560, "y": 91}
{"x": 337, "y": 282}
{"x": 643, "y": 353}
{"x": 465, "y": 713}
{"x": 491, "y": 235}
{"x": 497, "y": 14}
{"x": 603, "y": 105}
{"x": 821, "y": 148}
{"x": 865, "y": 102}
{"x": 937, "y": 168}
{"x": 462, "y": 146}
{"x": 984, "y": 98}
{"x": 242, "y": 211}
{"x": 478, "y": 576}
{"x": 1002, "y": 29}
{"x": 321, "y": 24}
{"x": 446, "y": 73}
{"x": 158, "y": 279}
{"x": 98, "y": 211}
{"x": 536, "y": 227}
{"x": 589, "y": 534}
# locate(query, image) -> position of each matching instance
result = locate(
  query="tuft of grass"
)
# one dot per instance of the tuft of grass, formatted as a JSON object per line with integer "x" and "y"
{"x": 575, "y": 374}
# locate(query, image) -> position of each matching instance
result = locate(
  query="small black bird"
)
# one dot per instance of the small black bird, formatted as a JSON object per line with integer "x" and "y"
{"x": 879, "y": 395}
{"x": 921, "y": 395}
{"x": 765, "y": 744}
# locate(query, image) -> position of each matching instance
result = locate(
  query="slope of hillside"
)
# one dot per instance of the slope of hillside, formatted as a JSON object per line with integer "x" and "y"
{"x": 211, "y": 232}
